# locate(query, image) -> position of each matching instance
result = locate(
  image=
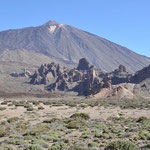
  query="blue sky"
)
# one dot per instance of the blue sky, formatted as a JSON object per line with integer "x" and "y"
{"x": 126, "y": 22}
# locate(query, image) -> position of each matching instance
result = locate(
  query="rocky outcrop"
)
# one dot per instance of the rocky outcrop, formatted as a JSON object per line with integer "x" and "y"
{"x": 37, "y": 78}
{"x": 141, "y": 75}
{"x": 83, "y": 78}
{"x": 46, "y": 74}
{"x": 90, "y": 85}
{"x": 116, "y": 92}
{"x": 14, "y": 74}
{"x": 60, "y": 84}
{"x": 119, "y": 75}
{"x": 121, "y": 70}
{"x": 86, "y": 80}
{"x": 74, "y": 75}
{"x": 84, "y": 65}
{"x": 25, "y": 73}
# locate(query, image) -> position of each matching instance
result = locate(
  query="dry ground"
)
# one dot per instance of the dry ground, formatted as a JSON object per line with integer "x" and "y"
{"x": 46, "y": 123}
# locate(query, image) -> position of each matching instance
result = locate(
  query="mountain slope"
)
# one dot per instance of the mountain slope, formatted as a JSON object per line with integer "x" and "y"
{"x": 67, "y": 45}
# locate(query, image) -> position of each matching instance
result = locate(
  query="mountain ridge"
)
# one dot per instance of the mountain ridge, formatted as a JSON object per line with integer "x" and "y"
{"x": 67, "y": 44}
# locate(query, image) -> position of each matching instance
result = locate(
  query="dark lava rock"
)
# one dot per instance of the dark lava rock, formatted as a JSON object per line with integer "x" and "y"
{"x": 84, "y": 64}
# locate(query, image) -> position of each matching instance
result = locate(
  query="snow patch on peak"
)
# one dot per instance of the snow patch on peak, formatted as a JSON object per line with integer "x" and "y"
{"x": 52, "y": 28}
{"x": 61, "y": 25}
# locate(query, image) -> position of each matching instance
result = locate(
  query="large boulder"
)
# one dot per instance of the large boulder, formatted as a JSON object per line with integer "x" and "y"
{"x": 83, "y": 88}
{"x": 37, "y": 79}
{"x": 77, "y": 76}
{"x": 46, "y": 74}
{"x": 74, "y": 75}
{"x": 84, "y": 64}
{"x": 14, "y": 74}
{"x": 141, "y": 75}
{"x": 60, "y": 84}
{"x": 122, "y": 68}
{"x": 89, "y": 85}
{"x": 25, "y": 73}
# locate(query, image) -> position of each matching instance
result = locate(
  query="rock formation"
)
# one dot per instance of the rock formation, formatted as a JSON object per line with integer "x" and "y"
{"x": 60, "y": 84}
{"x": 14, "y": 74}
{"x": 121, "y": 70}
{"x": 141, "y": 75}
{"x": 46, "y": 74}
{"x": 57, "y": 78}
{"x": 86, "y": 80}
{"x": 84, "y": 65}
{"x": 25, "y": 73}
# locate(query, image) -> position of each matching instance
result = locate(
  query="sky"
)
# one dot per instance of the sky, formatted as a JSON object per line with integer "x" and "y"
{"x": 125, "y": 22}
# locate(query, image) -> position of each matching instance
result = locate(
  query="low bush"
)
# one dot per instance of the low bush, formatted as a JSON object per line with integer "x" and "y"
{"x": 76, "y": 147}
{"x": 142, "y": 119}
{"x": 121, "y": 145}
{"x": 3, "y": 131}
{"x": 51, "y": 120}
{"x": 12, "y": 119}
{"x": 4, "y": 103}
{"x": 80, "y": 116}
{"x": 92, "y": 144}
{"x": 34, "y": 147}
{"x": 2, "y": 108}
{"x": 40, "y": 108}
{"x": 6, "y": 147}
{"x": 75, "y": 124}
{"x": 30, "y": 109}
{"x": 57, "y": 146}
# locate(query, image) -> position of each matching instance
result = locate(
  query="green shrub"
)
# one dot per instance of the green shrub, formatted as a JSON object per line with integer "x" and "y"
{"x": 75, "y": 124}
{"x": 80, "y": 116}
{"x": 40, "y": 108}
{"x": 86, "y": 135}
{"x": 147, "y": 145}
{"x": 97, "y": 135}
{"x": 142, "y": 119}
{"x": 51, "y": 120}
{"x": 16, "y": 141}
{"x": 92, "y": 144}
{"x": 32, "y": 133}
{"x": 47, "y": 103}
{"x": 142, "y": 135}
{"x": 57, "y": 146}
{"x": 76, "y": 147}
{"x": 40, "y": 142}
{"x": 6, "y": 147}
{"x": 36, "y": 103}
{"x": 30, "y": 109}
{"x": 4, "y": 103}
{"x": 21, "y": 127}
{"x": 121, "y": 145}
{"x": 2, "y": 108}
{"x": 83, "y": 106}
{"x": 53, "y": 136}
{"x": 12, "y": 119}
{"x": 2, "y": 131}
{"x": 19, "y": 103}
{"x": 27, "y": 105}
{"x": 34, "y": 147}
{"x": 37, "y": 129}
